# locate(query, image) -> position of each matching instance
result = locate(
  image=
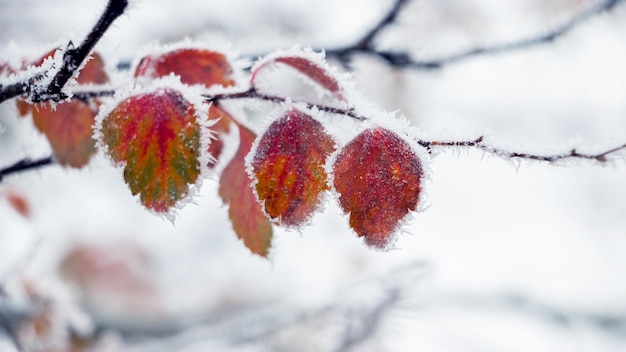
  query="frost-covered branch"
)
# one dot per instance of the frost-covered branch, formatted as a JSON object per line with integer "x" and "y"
{"x": 25, "y": 165}
{"x": 253, "y": 94}
{"x": 403, "y": 59}
{"x": 73, "y": 58}
{"x": 480, "y": 144}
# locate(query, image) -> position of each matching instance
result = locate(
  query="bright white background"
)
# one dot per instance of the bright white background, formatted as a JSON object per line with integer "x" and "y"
{"x": 495, "y": 230}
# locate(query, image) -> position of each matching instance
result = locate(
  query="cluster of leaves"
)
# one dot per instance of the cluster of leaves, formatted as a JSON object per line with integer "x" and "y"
{"x": 167, "y": 132}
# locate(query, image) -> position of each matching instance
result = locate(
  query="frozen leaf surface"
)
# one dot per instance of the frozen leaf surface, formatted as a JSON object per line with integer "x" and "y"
{"x": 308, "y": 67}
{"x": 378, "y": 177}
{"x": 69, "y": 126}
{"x": 289, "y": 167}
{"x": 156, "y": 136}
{"x": 194, "y": 66}
{"x": 246, "y": 215}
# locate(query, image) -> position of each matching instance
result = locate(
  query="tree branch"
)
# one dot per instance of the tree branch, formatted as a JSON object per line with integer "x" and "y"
{"x": 24, "y": 165}
{"x": 73, "y": 58}
{"x": 252, "y": 93}
{"x": 403, "y": 59}
{"x": 368, "y": 39}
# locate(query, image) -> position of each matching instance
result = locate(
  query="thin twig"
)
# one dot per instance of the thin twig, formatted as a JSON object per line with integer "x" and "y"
{"x": 252, "y": 93}
{"x": 24, "y": 165}
{"x": 403, "y": 59}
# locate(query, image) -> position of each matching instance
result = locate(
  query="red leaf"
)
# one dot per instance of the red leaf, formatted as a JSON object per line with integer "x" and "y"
{"x": 289, "y": 167}
{"x": 378, "y": 177}
{"x": 6, "y": 69}
{"x": 309, "y": 68}
{"x": 157, "y": 137}
{"x": 194, "y": 66}
{"x": 69, "y": 127}
{"x": 222, "y": 126}
{"x": 245, "y": 213}
{"x": 93, "y": 71}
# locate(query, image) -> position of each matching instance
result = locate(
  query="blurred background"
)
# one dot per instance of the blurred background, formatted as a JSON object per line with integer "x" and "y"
{"x": 507, "y": 256}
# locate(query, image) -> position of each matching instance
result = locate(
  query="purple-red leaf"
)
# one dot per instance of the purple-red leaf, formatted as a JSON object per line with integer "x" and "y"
{"x": 249, "y": 222}
{"x": 378, "y": 176}
{"x": 289, "y": 167}
{"x": 194, "y": 66}
{"x": 308, "y": 67}
{"x": 157, "y": 138}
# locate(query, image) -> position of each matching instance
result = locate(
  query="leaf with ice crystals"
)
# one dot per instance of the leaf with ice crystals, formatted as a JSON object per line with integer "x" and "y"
{"x": 156, "y": 136}
{"x": 378, "y": 177}
{"x": 288, "y": 167}
{"x": 194, "y": 66}
{"x": 245, "y": 213}
{"x": 69, "y": 126}
{"x": 308, "y": 64}
{"x": 222, "y": 126}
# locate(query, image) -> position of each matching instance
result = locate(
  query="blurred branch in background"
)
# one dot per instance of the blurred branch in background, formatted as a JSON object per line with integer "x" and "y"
{"x": 352, "y": 319}
{"x": 404, "y": 60}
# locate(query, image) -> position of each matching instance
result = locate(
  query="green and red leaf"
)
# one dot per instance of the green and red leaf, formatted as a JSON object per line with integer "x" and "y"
{"x": 194, "y": 66}
{"x": 378, "y": 176}
{"x": 288, "y": 167}
{"x": 156, "y": 136}
{"x": 249, "y": 222}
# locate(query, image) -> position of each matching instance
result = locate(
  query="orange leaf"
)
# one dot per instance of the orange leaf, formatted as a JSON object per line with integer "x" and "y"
{"x": 19, "y": 202}
{"x": 69, "y": 126}
{"x": 194, "y": 66}
{"x": 378, "y": 177}
{"x": 69, "y": 129}
{"x": 308, "y": 67}
{"x": 249, "y": 222}
{"x": 157, "y": 137}
{"x": 289, "y": 167}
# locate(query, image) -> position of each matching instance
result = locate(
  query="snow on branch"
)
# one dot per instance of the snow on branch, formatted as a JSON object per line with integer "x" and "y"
{"x": 404, "y": 60}
{"x": 480, "y": 144}
{"x": 253, "y": 94}
{"x": 73, "y": 58}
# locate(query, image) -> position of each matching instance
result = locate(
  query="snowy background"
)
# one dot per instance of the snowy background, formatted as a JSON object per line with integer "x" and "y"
{"x": 507, "y": 257}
